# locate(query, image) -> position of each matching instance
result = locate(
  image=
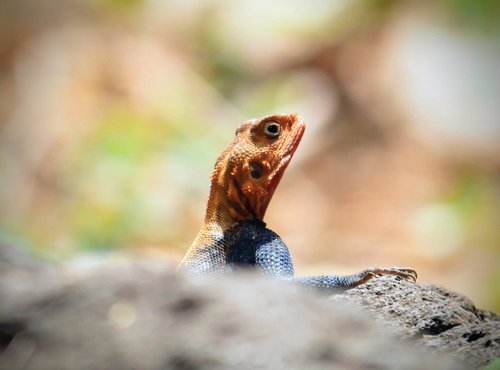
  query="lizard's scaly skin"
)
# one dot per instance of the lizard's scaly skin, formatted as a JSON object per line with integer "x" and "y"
{"x": 243, "y": 182}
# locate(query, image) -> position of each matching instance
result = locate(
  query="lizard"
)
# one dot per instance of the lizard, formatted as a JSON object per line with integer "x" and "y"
{"x": 245, "y": 177}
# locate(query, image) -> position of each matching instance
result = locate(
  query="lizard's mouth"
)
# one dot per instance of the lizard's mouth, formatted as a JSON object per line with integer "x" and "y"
{"x": 286, "y": 152}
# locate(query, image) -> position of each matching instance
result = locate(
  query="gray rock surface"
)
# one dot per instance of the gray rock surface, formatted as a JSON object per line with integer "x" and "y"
{"x": 147, "y": 315}
{"x": 437, "y": 318}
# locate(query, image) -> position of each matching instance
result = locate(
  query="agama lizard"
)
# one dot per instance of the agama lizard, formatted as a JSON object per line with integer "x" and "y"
{"x": 243, "y": 182}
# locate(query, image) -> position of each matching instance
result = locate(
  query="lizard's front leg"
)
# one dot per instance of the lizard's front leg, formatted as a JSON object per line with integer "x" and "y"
{"x": 272, "y": 258}
{"x": 339, "y": 282}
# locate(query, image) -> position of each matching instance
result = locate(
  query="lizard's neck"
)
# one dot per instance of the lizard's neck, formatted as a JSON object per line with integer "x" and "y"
{"x": 219, "y": 206}
{"x": 218, "y": 218}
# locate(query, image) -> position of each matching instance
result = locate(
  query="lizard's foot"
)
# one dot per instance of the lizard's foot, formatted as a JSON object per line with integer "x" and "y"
{"x": 405, "y": 273}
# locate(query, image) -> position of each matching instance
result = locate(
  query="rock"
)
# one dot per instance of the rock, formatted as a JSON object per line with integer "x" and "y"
{"x": 147, "y": 315}
{"x": 437, "y": 318}
{"x": 23, "y": 279}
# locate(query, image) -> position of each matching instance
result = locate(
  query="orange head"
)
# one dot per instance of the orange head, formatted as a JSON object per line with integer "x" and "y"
{"x": 248, "y": 171}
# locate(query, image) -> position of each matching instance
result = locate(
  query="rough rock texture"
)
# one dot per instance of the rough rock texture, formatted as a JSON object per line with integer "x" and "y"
{"x": 437, "y": 318}
{"x": 147, "y": 315}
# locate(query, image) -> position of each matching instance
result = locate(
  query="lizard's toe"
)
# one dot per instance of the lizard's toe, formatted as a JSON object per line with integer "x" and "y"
{"x": 401, "y": 272}
{"x": 406, "y": 273}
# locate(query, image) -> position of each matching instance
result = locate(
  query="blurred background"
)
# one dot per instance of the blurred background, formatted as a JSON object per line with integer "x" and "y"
{"x": 112, "y": 113}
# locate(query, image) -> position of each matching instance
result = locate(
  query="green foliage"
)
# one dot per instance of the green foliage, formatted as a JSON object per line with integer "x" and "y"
{"x": 491, "y": 289}
{"x": 493, "y": 365}
{"x": 475, "y": 200}
{"x": 124, "y": 135}
{"x": 119, "y": 5}
{"x": 105, "y": 211}
{"x": 482, "y": 15}
{"x": 129, "y": 174}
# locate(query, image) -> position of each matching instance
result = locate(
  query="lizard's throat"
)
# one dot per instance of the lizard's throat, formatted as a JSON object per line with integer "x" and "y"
{"x": 228, "y": 204}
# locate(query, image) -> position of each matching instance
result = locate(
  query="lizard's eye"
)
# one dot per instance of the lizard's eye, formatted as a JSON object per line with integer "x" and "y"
{"x": 272, "y": 129}
{"x": 256, "y": 170}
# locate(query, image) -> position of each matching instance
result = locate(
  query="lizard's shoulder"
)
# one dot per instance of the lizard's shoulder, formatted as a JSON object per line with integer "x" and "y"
{"x": 245, "y": 238}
